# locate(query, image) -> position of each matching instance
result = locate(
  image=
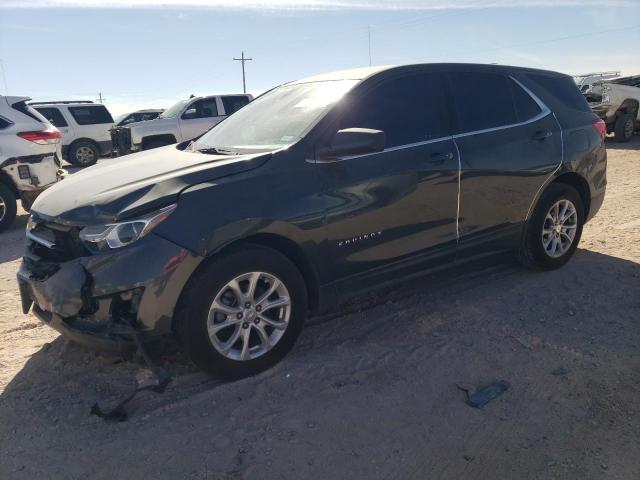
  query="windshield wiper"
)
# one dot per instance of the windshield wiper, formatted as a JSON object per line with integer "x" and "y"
{"x": 217, "y": 151}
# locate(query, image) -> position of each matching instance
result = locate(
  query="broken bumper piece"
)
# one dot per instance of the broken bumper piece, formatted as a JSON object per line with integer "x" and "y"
{"x": 107, "y": 299}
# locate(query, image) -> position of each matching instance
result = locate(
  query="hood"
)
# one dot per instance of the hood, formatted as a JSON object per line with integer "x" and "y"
{"x": 153, "y": 124}
{"x": 128, "y": 186}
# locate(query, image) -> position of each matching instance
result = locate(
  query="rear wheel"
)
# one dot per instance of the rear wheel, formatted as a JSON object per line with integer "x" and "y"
{"x": 7, "y": 207}
{"x": 243, "y": 312}
{"x": 83, "y": 154}
{"x": 624, "y": 127}
{"x": 554, "y": 229}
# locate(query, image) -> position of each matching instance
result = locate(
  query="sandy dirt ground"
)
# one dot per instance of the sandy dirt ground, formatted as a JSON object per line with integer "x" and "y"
{"x": 370, "y": 392}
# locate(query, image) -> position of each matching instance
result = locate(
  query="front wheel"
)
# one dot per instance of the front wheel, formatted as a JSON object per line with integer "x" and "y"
{"x": 554, "y": 229}
{"x": 242, "y": 312}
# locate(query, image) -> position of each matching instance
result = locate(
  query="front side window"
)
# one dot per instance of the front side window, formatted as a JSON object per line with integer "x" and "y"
{"x": 234, "y": 103}
{"x": 276, "y": 119}
{"x": 482, "y": 101}
{"x": 204, "y": 108}
{"x": 53, "y": 115}
{"x": 91, "y": 115}
{"x": 409, "y": 109}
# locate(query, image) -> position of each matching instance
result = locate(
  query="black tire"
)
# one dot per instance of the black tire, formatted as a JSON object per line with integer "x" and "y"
{"x": 83, "y": 153}
{"x": 8, "y": 207}
{"x": 201, "y": 290}
{"x": 532, "y": 252}
{"x": 623, "y": 129}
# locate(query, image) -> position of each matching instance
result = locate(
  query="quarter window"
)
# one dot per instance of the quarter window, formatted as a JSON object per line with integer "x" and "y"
{"x": 482, "y": 101}
{"x": 409, "y": 109}
{"x": 4, "y": 123}
{"x": 54, "y": 116}
{"x": 91, "y": 115}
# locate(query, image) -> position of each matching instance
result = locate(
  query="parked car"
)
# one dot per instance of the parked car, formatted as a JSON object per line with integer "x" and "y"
{"x": 185, "y": 120}
{"x": 85, "y": 129}
{"x": 139, "y": 116}
{"x": 316, "y": 191}
{"x": 586, "y": 81}
{"x": 616, "y": 102}
{"x": 29, "y": 156}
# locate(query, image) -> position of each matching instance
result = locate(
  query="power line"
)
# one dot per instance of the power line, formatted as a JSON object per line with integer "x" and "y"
{"x": 243, "y": 60}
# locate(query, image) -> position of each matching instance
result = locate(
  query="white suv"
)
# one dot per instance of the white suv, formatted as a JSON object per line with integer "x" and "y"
{"x": 184, "y": 121}
{"x": 29, "y": 156}
{"x": 85, "y": 129}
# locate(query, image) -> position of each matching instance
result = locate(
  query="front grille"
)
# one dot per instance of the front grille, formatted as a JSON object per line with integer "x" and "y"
{"x": 121, "y": 140}
{"x": 55, "y": 242}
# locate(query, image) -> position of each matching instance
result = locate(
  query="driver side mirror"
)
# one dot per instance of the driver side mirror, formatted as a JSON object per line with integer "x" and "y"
{"x": 190, "y": 114}
{"x": 353, "y": 141}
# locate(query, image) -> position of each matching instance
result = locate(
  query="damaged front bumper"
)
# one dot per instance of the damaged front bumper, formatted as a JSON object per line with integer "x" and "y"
{"x": 103, "y": 300}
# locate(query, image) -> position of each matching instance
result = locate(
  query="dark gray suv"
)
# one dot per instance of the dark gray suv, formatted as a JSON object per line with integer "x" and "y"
{"x": 318, "y": 190}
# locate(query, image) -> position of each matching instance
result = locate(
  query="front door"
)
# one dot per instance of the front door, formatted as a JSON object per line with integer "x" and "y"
{"x": 199, "y": 117}
{"x": 386, "y": 210}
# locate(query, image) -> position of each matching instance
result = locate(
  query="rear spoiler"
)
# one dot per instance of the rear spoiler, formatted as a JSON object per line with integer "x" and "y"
{"x": 13, "y": 100}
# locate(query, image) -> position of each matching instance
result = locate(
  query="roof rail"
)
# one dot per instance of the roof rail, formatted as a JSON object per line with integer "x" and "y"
{"x": 60, "y": 102}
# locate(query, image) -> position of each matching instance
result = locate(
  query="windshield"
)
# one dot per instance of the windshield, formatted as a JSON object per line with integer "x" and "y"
{"x": 276, "y": 119}
{"x": 173, "y": 110}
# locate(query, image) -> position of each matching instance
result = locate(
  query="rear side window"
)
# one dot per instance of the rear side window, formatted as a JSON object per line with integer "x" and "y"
{"x": 29, "y": 111}
{"x": 561, "y": 89}
{"x": 53, "y": 115}
{"x": 526, "y": 107}
{"x": 482, "y": 101}
{"x": 233, "y": 104}
{"x": 409, "y": 109}
{"x": 91, "y": 115}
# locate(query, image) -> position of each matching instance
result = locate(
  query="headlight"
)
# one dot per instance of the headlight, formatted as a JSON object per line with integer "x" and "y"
{"x": 116, "y": 235}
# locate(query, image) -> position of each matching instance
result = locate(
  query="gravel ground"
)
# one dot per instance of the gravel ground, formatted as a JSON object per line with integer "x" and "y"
{"x": 371, "y": 392}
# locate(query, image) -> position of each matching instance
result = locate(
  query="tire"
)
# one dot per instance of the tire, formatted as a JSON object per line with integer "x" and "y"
{"x": 536, "y": 250}
{"x": 211, "y": 283}
{"x": 83, "y": 153}
{"x": 624, "y": 127}
{"x": 7, "y": 207}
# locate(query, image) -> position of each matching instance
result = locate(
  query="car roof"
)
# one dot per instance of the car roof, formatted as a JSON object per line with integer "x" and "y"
{"x": 363, "y": 73}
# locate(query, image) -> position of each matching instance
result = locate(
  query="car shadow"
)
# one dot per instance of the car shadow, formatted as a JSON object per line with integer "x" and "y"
{"x": 12, "y": 240}
{"x": 62, "y": 370}
{"x": 633, "y": 144}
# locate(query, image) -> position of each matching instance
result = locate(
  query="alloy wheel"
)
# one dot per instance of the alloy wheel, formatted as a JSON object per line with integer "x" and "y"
{"x": 85, "y": 155}
{"x": 249, "y": 316}
{"x": 559, "y": 228}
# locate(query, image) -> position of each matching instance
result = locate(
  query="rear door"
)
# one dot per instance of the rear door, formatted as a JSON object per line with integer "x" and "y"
{"x": 388, "y": 210}
{"x": 509, "y": 143}
{"x": 199, "y": 117}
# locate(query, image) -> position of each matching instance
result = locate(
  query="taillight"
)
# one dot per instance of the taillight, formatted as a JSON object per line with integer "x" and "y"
{"x": 41, "y": 137}
{"x": 601, "y": 127}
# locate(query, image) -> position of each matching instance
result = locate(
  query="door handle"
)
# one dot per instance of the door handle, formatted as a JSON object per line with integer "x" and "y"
{"x": 542, "y": 135}
{"x": 440, "y": 157}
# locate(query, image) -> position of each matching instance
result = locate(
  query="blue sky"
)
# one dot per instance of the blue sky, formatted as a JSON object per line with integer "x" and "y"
{"x": 141, "y": 56}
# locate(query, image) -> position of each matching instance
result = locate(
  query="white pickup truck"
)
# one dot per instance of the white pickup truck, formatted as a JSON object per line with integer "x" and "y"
{"x": 616, "y": 102}
{"x": 183, "y": 121}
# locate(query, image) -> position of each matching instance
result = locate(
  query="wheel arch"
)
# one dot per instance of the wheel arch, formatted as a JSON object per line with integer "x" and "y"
{"x": 629, "y": 106}
{"x": 158, "y": 137}
{"x": 578, "y": 182}
{"x": 6, "y": 180}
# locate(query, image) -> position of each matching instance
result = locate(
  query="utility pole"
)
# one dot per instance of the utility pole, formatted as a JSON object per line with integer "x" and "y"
{"x": 100, "y": 98}
{"x": 4, "y": 78}
{"x": 369, "y": 32}
{"x": 243, "y": 60}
